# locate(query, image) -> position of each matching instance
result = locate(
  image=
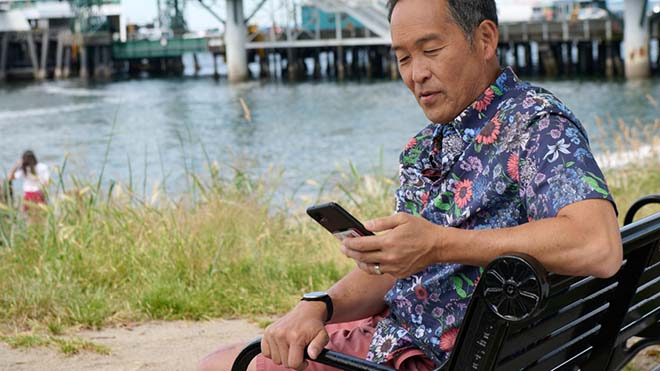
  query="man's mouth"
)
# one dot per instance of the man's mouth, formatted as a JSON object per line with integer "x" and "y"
{"x": 428, "y": 96}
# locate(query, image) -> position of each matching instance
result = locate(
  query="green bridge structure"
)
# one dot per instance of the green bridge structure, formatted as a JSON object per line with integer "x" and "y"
{"x": 165, "y": 48}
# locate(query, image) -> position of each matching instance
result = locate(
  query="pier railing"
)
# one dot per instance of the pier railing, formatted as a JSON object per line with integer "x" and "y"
{"x": 607, "y": 29}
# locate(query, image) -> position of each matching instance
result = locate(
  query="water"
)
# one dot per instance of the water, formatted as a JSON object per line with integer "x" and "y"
{"x": 161, "y": 127}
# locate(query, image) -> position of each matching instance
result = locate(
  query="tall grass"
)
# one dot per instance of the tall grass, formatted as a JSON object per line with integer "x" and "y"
{"x": 632, "y": 165}
{"x": 103, "y": 255}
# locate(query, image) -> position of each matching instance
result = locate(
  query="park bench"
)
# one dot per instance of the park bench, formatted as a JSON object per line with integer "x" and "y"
{"x": 521, "y": 317}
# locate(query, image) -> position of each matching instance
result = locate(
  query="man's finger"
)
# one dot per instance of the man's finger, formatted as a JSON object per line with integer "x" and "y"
{"x": 318, "y": 343}
{"x": 370, "y": 257}
{"x": 296, "y": 357}
{"x": 363, "y": 266}
{"x": 364, "y": 244}
{"x": 265, "y": 348}
{"x": 275, "y": 353}
{"x": 384, "y": 223}
{"x": 284, "y": 354}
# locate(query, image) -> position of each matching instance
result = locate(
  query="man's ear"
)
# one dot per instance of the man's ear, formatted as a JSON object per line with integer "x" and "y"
{"x": 486, "y": 38}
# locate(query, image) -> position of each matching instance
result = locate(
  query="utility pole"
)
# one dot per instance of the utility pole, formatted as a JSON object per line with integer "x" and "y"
{"x": 159, "y": 17}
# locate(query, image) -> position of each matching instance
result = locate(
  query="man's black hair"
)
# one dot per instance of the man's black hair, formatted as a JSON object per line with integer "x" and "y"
{"x": 467, "y": 14}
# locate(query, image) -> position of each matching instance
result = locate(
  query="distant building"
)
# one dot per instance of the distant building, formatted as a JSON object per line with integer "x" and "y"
{"x": 100, "y": 15}
{"x": 558, "y": 10}
{"x": 313, "y": 16}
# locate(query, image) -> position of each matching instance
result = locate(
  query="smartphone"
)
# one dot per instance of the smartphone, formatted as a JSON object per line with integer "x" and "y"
{"x": 337, "y": 221}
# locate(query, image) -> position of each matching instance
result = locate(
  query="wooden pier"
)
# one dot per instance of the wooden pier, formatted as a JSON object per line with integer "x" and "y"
{"x": 45, "y": 53}
{"x": 337, "y": 41}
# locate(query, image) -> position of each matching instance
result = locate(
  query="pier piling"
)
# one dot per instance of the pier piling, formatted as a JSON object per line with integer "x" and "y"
{"x": 4, "y": 44}
{"x": 82, "y": 55}
{"x": 59, "y": 56}
{"x": 44, "y": 55}
{"x": 66, "y": 72}
{"x": 636, "y": 40}
{"x": 32, "y": 50}
{"x": 235, "y": 39}
{"x": 339, "y": 63}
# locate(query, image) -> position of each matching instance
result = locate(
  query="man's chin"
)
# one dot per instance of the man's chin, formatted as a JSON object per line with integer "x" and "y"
{"x": 434, "y": 117}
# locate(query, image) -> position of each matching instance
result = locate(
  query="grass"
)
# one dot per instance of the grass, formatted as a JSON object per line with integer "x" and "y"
{"x": 640, "y": 143}
{"x": 95, "y": 260}
{"x": 100, "y": 257}
{"x": 68, "y": 346}
{"x": 647, "y": 358}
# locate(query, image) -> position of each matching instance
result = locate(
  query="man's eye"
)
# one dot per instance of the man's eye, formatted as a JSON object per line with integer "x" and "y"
{"x": 403, "y": 59}
{"x": 432, "y": 51}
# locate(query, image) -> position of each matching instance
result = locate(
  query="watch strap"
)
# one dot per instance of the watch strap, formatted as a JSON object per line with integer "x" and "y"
{"x": 325, "y": 298}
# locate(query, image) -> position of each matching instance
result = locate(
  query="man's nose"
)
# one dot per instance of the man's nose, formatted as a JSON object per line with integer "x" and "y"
{"x": 420, "y": 72}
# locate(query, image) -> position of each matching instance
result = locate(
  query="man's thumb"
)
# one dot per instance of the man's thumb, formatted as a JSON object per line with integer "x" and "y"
{"x": 317, "y": 344}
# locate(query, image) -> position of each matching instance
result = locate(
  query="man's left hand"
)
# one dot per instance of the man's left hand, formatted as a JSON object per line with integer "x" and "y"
{"x": 407, "y": 245}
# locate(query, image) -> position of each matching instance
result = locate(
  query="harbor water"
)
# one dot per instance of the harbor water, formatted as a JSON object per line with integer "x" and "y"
{"x": 295, "y": 132}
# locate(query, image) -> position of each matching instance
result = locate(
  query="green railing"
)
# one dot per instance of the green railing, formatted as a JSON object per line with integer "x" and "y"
{"x": 158, "y": 49}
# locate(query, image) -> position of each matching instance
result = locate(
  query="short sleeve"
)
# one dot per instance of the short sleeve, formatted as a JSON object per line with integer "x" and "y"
{"x": 19, "y": 173}
{"x": 43, "y": 173}
{"x": 557, "y": 168}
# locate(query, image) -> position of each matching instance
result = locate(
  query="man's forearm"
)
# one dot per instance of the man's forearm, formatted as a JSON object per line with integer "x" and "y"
{"x": 359, "y": 295}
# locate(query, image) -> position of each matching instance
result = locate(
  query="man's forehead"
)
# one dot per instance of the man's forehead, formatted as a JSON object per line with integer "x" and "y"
{"x": 417, "y": 19}
{"x": 432, "y": 8}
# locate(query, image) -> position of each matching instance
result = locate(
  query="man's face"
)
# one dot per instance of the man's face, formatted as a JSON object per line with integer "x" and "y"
{"x": 438, "y": 64}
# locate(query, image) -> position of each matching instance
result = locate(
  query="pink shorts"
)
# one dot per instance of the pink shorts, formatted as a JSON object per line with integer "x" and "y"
{"x": 33, "y": 198}
{"x": 353, "y": 338}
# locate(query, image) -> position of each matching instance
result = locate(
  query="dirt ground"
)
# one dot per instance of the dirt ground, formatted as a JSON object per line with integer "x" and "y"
{"x": 166, "y": 346}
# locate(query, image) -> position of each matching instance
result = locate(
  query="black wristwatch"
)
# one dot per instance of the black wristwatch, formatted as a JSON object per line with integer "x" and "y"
{"x": 321, "y": 296}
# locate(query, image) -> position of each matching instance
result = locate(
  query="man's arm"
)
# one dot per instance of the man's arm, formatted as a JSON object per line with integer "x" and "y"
{"x": 358, "y": 295}
{"x": 582, "y": 239}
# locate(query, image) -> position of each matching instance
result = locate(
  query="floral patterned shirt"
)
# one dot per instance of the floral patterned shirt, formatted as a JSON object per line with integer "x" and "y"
{"x": 517, "y": 154}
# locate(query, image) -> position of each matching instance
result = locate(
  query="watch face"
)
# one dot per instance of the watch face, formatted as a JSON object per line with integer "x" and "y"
{"x": 315, "y": 295}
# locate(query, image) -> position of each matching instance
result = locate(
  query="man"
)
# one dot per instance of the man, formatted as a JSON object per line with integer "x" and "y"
{"x": 503, "y": 167}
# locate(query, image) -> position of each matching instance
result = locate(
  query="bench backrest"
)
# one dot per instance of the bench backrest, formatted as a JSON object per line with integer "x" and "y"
{"x": 521, "y": 318}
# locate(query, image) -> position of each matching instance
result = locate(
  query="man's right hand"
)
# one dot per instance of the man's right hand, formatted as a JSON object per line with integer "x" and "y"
{"x": 284, "y": 341}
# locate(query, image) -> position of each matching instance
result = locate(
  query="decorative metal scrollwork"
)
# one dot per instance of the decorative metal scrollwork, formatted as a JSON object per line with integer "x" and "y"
{"x": 515, "y": 286}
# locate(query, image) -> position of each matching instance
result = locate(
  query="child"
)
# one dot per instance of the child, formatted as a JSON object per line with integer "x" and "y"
{"x": 35, "y": 177}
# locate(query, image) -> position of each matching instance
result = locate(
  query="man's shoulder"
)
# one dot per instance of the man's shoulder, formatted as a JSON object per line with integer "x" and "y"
{"x": 535, "y": 103}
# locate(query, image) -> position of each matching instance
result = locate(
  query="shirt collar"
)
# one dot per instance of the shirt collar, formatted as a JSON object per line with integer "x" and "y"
{"x": 469, "y": 122}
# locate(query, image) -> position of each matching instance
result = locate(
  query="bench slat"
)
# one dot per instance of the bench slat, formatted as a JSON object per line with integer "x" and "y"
{"x": 561, "y": 346}
{"x": 555, "y": 340}
{"x": 646, "y": 316}
{"x": 576, "y": 294}
{"x": 573, "y": 356}
{"x": 570, "y": 314}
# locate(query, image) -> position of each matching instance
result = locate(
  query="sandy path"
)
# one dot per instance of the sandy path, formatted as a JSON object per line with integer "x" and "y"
{"x": 166, "y": 346}
{"x": 151, "y": 346}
